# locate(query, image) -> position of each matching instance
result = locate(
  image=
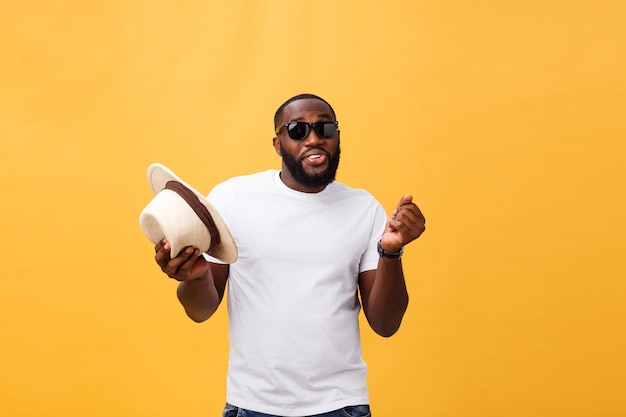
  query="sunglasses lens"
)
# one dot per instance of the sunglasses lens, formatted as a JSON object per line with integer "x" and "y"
{"x": 325, "y": 130}
{"x": 298, "y": 130}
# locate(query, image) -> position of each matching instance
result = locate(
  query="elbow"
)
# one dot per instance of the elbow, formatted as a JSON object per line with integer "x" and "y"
{"x": 389, "y": 326}
{"x": 197, "y": 318}
{"x": 387, "y": 331}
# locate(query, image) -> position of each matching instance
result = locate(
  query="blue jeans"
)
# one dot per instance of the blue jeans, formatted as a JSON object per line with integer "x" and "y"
{"x": 353, "y": 411}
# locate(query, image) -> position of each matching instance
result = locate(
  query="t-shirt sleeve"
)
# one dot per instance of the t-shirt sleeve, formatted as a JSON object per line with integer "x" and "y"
{"x": 369, "y": 260}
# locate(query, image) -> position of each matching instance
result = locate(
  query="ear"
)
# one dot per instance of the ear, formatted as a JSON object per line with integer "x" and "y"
{"x": 276, "y": 143}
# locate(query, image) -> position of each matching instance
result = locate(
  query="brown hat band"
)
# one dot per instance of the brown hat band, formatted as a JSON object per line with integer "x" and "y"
{"x": 198, "y": 208}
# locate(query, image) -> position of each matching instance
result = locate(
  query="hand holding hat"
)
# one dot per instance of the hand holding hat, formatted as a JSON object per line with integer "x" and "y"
{"x": 184, "y": 216}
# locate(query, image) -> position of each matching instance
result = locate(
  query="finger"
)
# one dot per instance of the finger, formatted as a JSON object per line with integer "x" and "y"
{"x": 412, "y": 212}
{"x": 194, "y": 267}
{"x": 181, "y": 258}
{"x": 172, "y": 266}
{"x": 405, "y": 210}
{"x": 408, "y": 219}
{"x": 162, "y": 252}
{"x": 191, "y": 256}
{"x": 160, "y": 245}
{"x": 406, "y": 199}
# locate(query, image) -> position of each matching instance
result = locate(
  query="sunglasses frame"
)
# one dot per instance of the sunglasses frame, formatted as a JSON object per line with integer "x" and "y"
{"x": 309, "y": 127}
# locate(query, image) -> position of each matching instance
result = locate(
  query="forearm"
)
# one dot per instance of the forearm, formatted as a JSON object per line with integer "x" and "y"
{"x": 384, "y": 294}
{"x": 199, "y": 297}
{"x": 388, "y": 298}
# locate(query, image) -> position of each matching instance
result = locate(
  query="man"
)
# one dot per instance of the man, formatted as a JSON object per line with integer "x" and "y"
{"x": 307, "y": 247}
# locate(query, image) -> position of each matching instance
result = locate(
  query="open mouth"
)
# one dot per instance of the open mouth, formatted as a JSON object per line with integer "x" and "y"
{"x": 315, "y": 159}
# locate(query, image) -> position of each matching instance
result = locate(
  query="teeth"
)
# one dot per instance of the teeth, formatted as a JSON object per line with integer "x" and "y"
{"x": 314, "y": 157}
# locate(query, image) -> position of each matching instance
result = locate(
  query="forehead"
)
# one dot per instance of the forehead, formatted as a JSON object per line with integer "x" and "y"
{"x": 307, "y": 108}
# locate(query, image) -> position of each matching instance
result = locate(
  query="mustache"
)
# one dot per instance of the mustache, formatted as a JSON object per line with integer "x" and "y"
{"x": 310, "y": 151}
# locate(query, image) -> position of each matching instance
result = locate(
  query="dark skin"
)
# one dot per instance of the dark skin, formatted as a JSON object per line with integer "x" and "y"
{"x": 308, "y": 110}
{"x": 383, "y": 290}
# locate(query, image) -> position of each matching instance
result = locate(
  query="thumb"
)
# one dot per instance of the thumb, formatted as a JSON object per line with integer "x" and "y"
{"x": 406, "y": 199}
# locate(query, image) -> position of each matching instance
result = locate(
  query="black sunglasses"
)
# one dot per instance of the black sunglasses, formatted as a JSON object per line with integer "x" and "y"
{"x": 301, "y": 130}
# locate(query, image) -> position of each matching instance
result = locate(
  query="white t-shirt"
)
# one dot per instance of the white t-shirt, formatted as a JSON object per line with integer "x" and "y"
{"x": 292, "y": 295}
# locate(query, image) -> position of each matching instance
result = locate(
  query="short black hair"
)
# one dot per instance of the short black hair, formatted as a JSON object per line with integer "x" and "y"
{"x": 279, "y": 112}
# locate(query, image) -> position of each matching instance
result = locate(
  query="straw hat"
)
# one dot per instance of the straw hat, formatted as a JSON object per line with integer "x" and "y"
{"x": 184, "y": 216}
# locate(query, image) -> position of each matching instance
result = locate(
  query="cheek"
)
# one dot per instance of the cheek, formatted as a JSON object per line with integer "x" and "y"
{"x": 288, "y": 147}
{"x": 334, "y": 148}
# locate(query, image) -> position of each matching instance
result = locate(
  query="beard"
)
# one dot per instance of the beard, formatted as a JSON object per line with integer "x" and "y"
{"x": 297, "y": 171}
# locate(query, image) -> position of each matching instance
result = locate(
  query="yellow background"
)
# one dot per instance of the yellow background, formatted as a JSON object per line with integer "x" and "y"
{"x": 506, "y": 120}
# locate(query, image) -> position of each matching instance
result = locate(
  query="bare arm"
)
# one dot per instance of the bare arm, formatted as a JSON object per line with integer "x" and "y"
{"x": 202, "y": 284}
{"x": 384, "y": 296}
{"x": 383, "y": 290}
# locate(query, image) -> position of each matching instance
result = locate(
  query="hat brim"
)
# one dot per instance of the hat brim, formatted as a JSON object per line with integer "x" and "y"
{"x": 226, "y": 249}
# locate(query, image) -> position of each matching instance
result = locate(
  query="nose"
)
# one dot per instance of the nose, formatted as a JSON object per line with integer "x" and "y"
{"x": 312, "y": 139}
